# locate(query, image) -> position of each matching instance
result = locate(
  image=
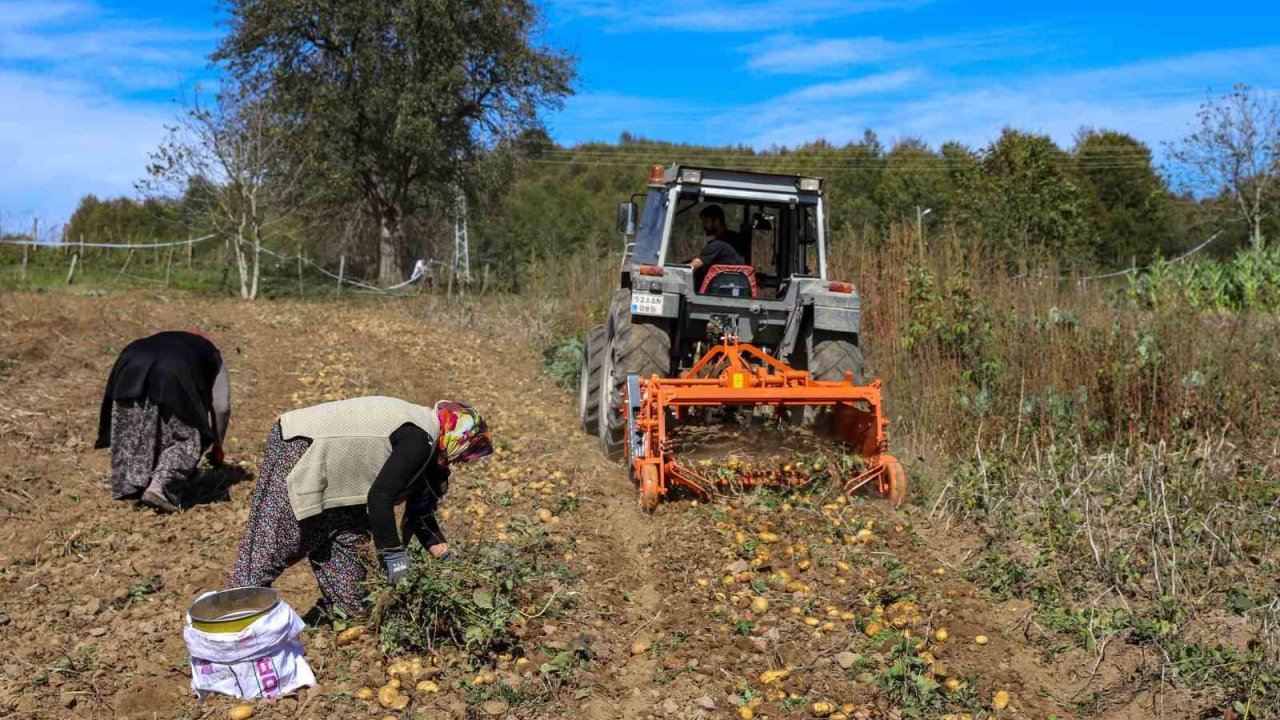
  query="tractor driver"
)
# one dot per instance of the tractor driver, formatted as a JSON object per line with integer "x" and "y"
{"x": 723, "y": 247}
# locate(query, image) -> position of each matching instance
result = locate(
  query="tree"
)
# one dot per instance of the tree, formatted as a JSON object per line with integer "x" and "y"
{"x": 1025, "y": 202}
{"x": 1129, "y": 203}
{"x": 914, "y": 178}
{"x": 1235, "y": 149}
{"x": 233, "y": 156}
{"x": 395, "y": 98}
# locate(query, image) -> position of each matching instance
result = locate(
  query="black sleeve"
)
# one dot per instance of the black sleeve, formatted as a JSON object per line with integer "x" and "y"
{"x": 713, "y": 253}
{"x": 420, "y": 512}
{"x": 104, "y": 413}
{"x": 411, "y": 451}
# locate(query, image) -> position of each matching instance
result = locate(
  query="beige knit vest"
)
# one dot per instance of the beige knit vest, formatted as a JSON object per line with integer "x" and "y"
{"x": 350, "y": 442}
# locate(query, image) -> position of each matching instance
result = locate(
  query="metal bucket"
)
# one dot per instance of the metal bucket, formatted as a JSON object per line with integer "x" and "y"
{"x": 231, "y": 611}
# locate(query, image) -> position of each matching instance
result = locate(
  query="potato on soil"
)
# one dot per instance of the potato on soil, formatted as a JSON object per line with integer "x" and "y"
{"x": 823, "y": 709}
{"x": 241, "y": 712}
{"x": 388, "y": 695}
{"x": 364, "y": 693}
{"x": 981, "y": 640}
{"x": 350, "y": 635}
{"x": 1000, "y": 700}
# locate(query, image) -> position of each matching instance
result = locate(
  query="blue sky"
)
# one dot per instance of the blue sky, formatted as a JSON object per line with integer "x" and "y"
{"x": 86, "y": 86}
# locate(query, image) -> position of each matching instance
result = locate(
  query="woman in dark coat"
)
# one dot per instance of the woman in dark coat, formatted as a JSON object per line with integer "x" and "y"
{"x": 331, "y": 477}
{"x": 167, "y": 401}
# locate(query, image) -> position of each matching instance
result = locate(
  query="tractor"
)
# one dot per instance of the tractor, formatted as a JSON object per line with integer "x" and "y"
{"x": 770, "y": 332}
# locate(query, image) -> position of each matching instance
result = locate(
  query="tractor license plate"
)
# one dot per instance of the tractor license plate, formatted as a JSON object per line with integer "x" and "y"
{"x": 646, "y": 304}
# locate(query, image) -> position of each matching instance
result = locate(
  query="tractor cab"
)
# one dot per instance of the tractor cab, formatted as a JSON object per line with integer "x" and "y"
{"x": 773, "y": 222}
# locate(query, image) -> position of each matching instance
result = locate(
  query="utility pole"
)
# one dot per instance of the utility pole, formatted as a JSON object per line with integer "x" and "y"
{"x": 461, "y": 244}
{"x": 920, "y": 228}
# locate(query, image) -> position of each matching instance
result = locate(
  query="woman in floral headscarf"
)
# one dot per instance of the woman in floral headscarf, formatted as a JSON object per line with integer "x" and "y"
{"x": 332, "y": 475}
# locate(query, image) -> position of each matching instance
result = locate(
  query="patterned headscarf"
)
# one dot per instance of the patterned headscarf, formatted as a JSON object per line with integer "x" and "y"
{"x": 464, "y": 436}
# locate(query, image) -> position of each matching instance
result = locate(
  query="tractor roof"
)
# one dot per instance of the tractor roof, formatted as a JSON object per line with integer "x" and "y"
{"x": 740, "y": 180}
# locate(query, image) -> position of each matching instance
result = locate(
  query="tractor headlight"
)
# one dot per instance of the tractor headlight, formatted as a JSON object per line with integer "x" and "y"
{"x": 810, "y": 184}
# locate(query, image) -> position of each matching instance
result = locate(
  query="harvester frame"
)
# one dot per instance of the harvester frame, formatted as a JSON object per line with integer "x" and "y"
{"x": 673, "y": 340}
{"x": 740, "y": 375}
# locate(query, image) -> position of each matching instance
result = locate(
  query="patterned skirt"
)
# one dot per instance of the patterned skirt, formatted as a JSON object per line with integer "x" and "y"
{"x": 336, "y": 542}
{"x": 149, "y": 449}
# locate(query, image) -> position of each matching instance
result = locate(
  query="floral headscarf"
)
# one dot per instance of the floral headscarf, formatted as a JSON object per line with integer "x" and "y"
{"x": 464, "y": 436}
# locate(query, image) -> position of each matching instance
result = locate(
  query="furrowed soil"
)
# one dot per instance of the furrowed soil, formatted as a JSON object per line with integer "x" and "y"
{"x": 677, "y": 615}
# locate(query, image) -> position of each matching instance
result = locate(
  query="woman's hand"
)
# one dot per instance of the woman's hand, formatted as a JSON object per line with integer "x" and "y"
{"x": 440, "y": 551}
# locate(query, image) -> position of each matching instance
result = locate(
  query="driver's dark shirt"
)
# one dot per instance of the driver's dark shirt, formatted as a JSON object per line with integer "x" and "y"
{"x": 717, "y": 252}
{"x": 738, "y": 242}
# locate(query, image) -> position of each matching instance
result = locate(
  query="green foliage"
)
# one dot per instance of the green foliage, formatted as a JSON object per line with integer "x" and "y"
{"x": 473, "y": 602}
{"x": 952, "y": 323}
{"x": 1130, "y": 205}
{"x": 909, "y": 687}
{"x": 1027, "y": 203}
{"x": 1248, "y": 281}
{"x": 562, "y": 360}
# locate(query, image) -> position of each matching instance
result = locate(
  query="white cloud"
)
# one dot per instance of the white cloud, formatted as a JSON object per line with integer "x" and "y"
{"x": 723, "y": 15}
{"x": 84, "y": 41}
{"x": 845, "y": 89}
{"x": 1153, "y": 100}
{"x": 61, "y": 139}
{"x": 793, "y": 54}
{"x": 83, "y": 99}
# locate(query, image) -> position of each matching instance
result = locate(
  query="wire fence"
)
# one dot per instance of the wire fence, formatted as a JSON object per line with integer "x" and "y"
{"x": 35, "y": 256}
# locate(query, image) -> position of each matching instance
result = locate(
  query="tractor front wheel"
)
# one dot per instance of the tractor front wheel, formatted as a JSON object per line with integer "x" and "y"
{"x": 634, "y": 347}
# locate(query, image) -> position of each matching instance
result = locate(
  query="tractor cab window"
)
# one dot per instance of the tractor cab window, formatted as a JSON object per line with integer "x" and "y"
{"x": 649, "y": 234}
{"x": 776, "y": 240}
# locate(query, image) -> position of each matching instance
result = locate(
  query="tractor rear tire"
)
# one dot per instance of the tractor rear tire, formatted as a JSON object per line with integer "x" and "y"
{"x": 589, "y": 379}
{"x": 633, "y": 347}
{"x": 831, "y": 358}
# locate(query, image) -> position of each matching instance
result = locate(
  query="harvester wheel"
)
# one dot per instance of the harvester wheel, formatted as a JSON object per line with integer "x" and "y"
{"x": 589, "y": 378}
{"x": 649, "y": 493}
{"x": 638, "y": 348}
{"x": 897, "y": 483}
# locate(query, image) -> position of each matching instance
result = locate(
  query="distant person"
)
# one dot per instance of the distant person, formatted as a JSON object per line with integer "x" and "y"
{"x": 332, "y": 475}
{"x": 167, "y": 401}
{"x": 722, "y": 247}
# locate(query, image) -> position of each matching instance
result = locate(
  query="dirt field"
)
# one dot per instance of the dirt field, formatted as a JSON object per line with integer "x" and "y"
{"x": 92, "y": 592}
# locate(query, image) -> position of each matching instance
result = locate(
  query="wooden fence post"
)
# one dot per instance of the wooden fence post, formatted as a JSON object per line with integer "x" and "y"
{"x": 342, "y": 268}
{"x": 26, "y": 249}
{"x": 125, "y": 266}
{"x": 71, "y": 271}
{"x": 168, "y": 268}
{"x": 299, "y": 272}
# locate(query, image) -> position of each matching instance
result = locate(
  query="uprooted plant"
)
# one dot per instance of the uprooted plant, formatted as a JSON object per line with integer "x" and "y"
{"x": 478, "y": 600}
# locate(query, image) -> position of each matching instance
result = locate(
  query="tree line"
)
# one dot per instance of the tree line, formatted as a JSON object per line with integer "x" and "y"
{"x": 362, "y": 130}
